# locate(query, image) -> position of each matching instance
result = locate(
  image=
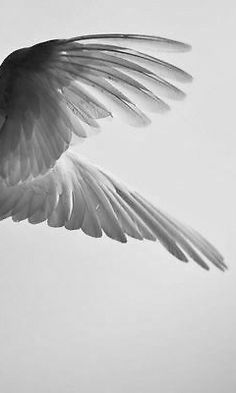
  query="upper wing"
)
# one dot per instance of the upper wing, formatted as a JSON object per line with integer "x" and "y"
{"x": 78, "y": 195}
{"x": 60, "y": 87}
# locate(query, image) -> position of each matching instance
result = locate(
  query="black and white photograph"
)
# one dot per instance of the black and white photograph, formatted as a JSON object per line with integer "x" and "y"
{"x": 117, "y": 196}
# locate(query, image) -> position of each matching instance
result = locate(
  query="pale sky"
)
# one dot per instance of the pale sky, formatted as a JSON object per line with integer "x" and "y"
{"x": 94, "y": 316}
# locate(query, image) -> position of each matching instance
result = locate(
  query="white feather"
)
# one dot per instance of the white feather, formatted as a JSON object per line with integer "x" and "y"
{"x": 60, "y": 88}
{"x": 81, "y": 195}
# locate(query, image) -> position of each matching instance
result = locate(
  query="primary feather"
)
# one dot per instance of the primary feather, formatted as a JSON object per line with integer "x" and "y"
{"x": 58, "y": 88}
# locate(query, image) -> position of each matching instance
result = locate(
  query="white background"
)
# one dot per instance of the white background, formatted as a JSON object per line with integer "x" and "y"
{"x": 93, "y": 316}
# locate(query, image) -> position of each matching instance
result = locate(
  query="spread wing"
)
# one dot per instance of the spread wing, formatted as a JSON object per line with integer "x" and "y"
{"x": 77, "y": 195}
{"x": 56, "y": 88}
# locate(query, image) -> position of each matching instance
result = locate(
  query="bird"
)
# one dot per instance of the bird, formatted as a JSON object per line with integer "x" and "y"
{"x": 54, "y": 94}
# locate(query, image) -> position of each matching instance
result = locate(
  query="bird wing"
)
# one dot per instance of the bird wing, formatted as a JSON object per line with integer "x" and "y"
{"x": 56, "y": 88}
{"x": 77, "y": 195}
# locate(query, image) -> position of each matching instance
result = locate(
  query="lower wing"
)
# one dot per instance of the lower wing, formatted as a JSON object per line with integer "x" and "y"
{"x": 77, "y": 195}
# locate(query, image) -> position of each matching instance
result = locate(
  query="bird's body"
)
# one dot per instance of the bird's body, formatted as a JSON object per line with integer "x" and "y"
{"x": 60, "y": 88}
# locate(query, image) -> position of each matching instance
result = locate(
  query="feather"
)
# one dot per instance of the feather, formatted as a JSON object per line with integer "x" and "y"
{"x": 153, "y": 64}
{"x": 76, "y": 194}
{"x": 62, "y": 87}
{"x": 58, "y": 88}
{"x": 147, "y": 41}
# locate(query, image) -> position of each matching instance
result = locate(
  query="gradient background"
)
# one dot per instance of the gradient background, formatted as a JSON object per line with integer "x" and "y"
{"x": 94, "y": 316}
